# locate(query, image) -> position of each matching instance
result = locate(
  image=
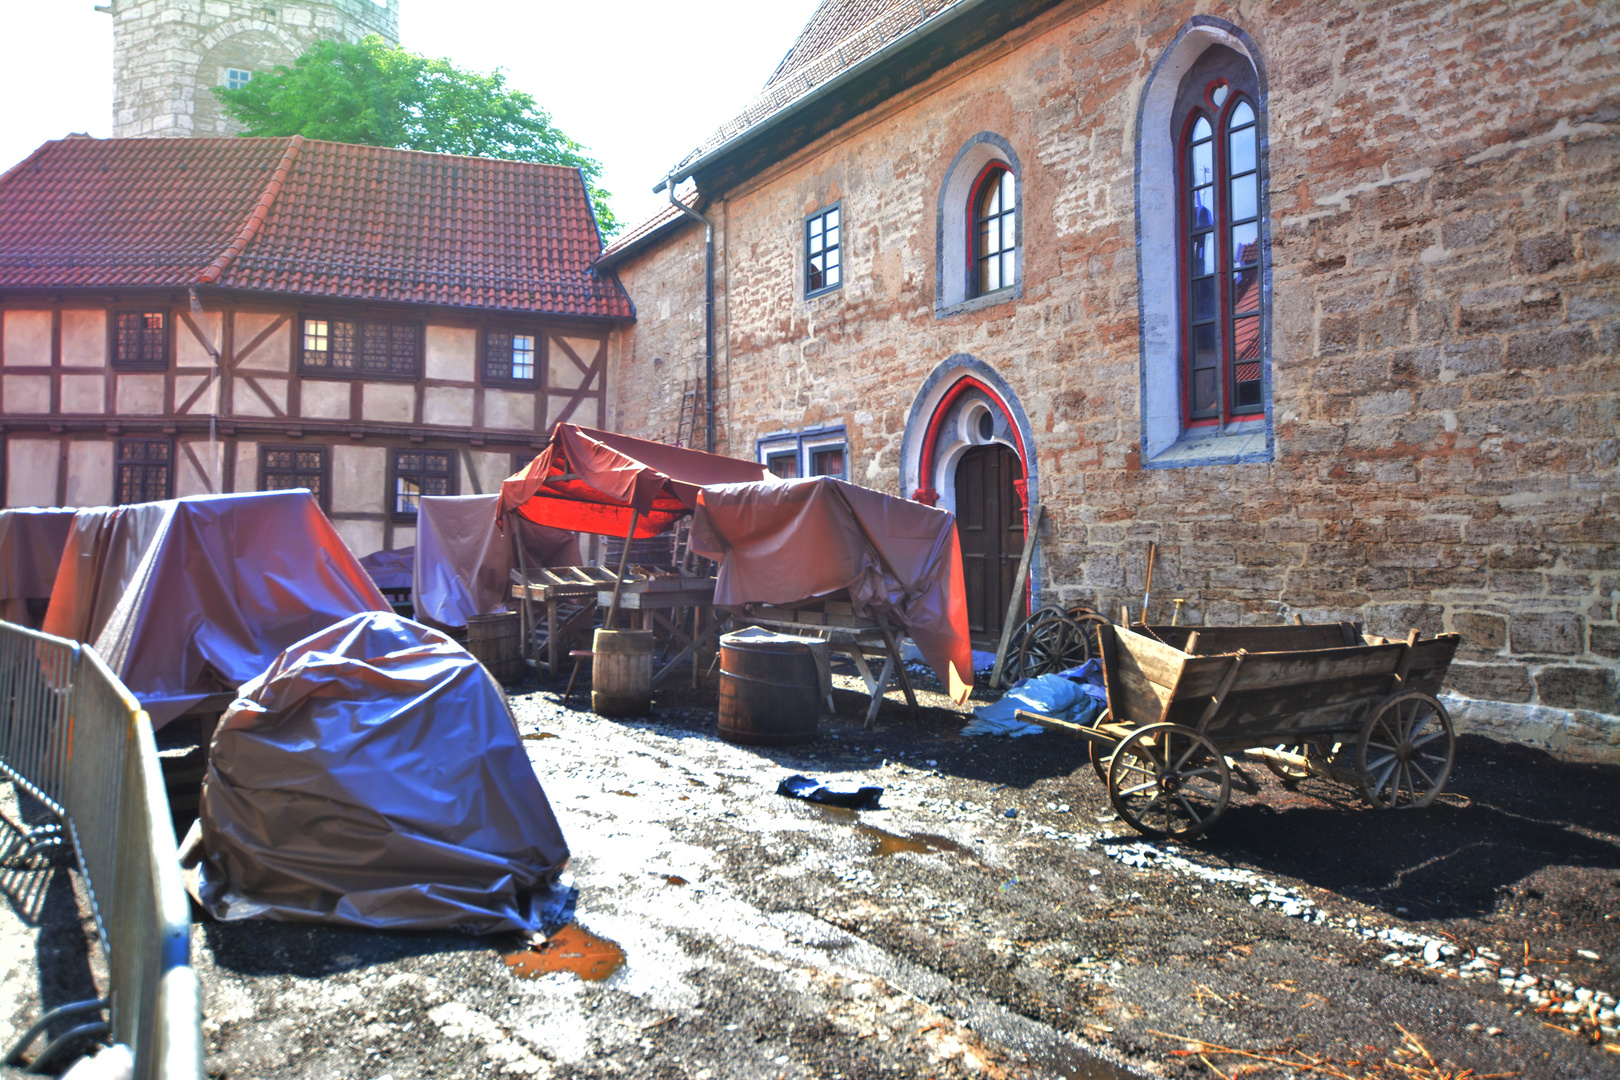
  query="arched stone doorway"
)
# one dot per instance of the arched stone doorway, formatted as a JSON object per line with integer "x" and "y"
{"x": 990, "y": 525}
{"x": 969, "y": 449}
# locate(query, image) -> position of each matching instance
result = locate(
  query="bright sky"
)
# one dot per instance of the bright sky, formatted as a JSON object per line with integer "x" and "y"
{"x": 639, "y": 83}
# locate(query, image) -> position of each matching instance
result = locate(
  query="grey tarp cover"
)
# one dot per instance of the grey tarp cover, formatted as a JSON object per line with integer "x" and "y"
{"x": 31, "y": 542}
{"x": 463, "y": 561}
{"x": 373, "y": 776}
{"x": 390, "y": 570}
{"x": 194, "y": 596}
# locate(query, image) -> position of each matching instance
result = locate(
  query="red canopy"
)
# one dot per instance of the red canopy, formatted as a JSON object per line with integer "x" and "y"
{"x": 611, "y": 475}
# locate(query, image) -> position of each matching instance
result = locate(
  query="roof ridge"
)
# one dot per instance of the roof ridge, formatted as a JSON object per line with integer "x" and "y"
{"x": 250, "y": 227}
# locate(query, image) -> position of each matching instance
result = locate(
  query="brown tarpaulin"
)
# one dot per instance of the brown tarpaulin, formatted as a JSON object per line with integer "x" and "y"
{"x": 373, "y": 776}
{"x": 612, "y": 475}
{"x": 31, "y": 542}
{"x": 782, "y": 543}
{"x": 463, "y": 563}
{"x": 190, "y": 597}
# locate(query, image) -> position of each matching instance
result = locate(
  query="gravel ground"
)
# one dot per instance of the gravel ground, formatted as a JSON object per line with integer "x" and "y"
{"x": 993, "y": 919}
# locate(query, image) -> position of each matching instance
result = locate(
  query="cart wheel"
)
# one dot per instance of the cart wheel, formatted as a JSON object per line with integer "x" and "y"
{"x": 1102, "y": 753}
{"x": 1405, "y": 751}
{"x": 1051, "y": 644}
{"x": 1167, "y": 780}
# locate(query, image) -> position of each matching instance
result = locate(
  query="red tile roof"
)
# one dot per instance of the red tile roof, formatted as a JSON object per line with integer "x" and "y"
{"x": 638, "y": 236}
{"x": 307, "y": 218}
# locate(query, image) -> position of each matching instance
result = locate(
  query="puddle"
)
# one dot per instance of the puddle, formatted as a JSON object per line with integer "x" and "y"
{"x": 540, "y": 735}
{"x": 574, "y": 949}
{"x": 888, "y": 843}
{"x": 675, "y": 879}
{"x": 626, "y": 794}
{"x": 1073, "y": 1063}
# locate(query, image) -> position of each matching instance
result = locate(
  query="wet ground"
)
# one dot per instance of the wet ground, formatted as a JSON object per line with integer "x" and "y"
{"x": 992, "y": 919}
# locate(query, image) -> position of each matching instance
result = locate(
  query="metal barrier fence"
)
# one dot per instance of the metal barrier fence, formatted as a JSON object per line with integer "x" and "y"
{"x": 75, "y": 739}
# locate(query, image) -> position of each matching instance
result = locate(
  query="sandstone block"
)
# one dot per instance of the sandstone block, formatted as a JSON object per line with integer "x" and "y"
{"x": 1574, "y": 687}
{"x": 1556, "y": 632}
{"x": 1490, "y": 682}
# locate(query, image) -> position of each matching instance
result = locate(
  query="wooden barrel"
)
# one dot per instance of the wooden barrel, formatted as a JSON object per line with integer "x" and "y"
{"x": 769, "y": 692}
{"x": 621, "y": 672}
{"x": 496, "y": 640}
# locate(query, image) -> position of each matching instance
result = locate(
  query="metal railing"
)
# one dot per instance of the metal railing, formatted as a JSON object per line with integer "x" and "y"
{"x": 76, "y": 740}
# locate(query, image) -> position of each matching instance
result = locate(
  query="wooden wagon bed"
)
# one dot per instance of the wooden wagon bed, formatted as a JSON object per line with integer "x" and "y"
{"x": 1182, "y": 699}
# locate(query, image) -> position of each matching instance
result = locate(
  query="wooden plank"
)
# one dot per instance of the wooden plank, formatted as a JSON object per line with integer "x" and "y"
{"x": 1157, "y": 661}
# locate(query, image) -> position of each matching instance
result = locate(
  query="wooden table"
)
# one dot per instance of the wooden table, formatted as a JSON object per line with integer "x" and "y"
{"x": 659, "y": 601}
{"x": 844, "y": 632}
{"x": 556, "y": 588}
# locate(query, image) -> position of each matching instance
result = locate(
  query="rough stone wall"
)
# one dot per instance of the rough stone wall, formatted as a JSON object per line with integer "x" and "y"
{"x": 167, "y": 54}
{"x": 1445, "y": 213}
{"x": 661, "y": 363}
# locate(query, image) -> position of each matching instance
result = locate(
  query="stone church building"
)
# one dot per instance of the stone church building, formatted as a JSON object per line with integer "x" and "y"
{"x": 169, "y": 54}
{"x": 1321, "y": 297}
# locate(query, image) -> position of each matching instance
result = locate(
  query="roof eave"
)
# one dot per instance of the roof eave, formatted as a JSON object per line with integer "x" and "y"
{"x": 996, "y": 17}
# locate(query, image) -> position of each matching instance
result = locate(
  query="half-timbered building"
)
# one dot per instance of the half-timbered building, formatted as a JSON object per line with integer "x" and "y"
{"x": 181, "y": 317}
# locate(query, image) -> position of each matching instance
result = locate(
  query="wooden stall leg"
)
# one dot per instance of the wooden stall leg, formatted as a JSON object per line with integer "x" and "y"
{"x": 553, "y": 638}
{"x": 899, "y": 666}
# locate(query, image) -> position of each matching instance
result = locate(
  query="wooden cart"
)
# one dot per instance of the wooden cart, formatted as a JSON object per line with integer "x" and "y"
{"x": 1325, "y": 701}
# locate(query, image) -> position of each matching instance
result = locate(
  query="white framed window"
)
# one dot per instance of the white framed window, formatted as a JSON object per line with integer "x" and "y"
{"x": 814, "y": 452}
{"x": 979, "y": 244}
{"x": 236, "y": 78}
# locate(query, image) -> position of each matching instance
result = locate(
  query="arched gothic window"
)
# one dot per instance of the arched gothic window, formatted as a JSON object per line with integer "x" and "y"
{"x": 1220, "y": 215}
{"x": 995, "y": 230}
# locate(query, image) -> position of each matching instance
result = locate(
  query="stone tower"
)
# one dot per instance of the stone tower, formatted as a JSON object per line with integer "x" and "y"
{"x": 167, "y": 54}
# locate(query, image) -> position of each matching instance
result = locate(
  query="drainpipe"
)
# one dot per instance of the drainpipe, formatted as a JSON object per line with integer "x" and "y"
{"x": 708, "y": 311}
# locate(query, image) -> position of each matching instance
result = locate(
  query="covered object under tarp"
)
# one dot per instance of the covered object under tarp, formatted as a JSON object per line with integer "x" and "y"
{"x": 786, "y": 542}
{"x": 593, "y": 481}
{"x": 374, "y": 776}
{"x": 191, "y": 597}
{"x": 31, "y": 542}
{"x": 463, "y": 562}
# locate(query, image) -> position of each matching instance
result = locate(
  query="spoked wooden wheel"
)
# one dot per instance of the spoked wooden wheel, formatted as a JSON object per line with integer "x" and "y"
{"x": 1102, "y": 754}
{"x": 1405, "y": 751}
{"x": 1012, "y": 670}
{"x": 1168, "y": 780}
{"x": 1051, "y": 644}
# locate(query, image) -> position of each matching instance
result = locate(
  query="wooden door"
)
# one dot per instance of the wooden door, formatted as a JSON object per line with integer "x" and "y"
{"x": 990, "y": 523}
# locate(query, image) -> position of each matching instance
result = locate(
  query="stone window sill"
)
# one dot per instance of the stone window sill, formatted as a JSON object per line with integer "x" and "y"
{"x": 1228, "y": 448}
{"x": 979, "y": 303}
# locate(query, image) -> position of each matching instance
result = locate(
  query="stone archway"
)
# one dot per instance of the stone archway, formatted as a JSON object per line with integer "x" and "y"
{"x": 963, "y": 408}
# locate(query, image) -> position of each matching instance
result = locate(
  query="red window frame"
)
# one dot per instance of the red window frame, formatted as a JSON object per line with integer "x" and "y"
{"x": 1225, "y": 321}
{"x": 977, "y": 194}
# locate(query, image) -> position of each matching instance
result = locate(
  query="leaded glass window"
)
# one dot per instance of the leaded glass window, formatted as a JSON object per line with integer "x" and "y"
{"x": 1222, "y": 257}
{"x": 145, "y": 470}
{"x": 995, "y": 234}
{"x": 510, "y": 356}
{"x": 361, "y": 347}
{"x": 140, "y": 339}
{"x": 285, "y": 467}
{"x": 418, "y": 473}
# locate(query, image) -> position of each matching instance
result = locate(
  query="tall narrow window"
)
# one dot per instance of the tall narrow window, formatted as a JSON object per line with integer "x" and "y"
{"x": 1221, "y": 219}
{"x": 995, "y": 230}
{"x": 823, "y": 251}
{"x": 145, "y": 470}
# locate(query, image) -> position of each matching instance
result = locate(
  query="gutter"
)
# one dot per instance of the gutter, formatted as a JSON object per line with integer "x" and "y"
{"x": 708, "y": 310}
{"x": 963, "y": 9}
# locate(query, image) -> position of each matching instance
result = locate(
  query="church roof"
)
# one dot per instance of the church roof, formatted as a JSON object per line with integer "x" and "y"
{"x": 839, "y": 35}
{"x": 304, "y": 217}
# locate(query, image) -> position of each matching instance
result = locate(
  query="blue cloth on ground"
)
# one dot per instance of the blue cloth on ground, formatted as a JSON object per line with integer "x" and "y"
{"x": 804, "y": 787}
{"x": 1076, "y": 695}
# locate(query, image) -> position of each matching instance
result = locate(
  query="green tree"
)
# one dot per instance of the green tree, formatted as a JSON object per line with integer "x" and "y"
{"x": 381, "y": 95}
